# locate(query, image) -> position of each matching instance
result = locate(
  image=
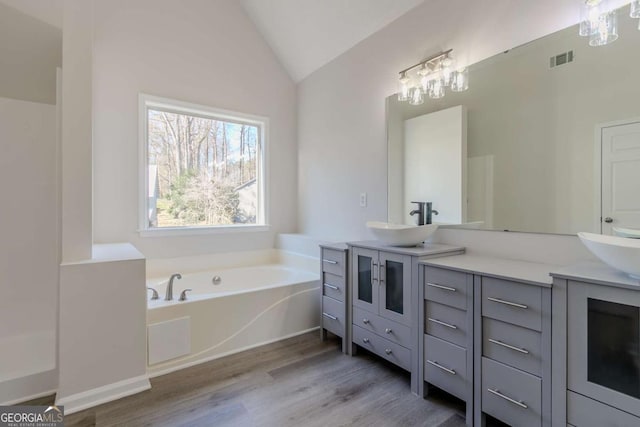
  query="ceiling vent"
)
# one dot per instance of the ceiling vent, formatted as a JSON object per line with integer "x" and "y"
{"x": 561, "y": 59}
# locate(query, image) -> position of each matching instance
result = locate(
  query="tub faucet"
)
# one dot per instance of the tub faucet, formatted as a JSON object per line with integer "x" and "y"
{"x": 169, "y": 294}
{"x": 154, "y": 293}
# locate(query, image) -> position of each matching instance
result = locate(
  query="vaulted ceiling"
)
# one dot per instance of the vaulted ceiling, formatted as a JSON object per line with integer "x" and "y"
{"x": 306, "y": 34}
{"x": 49, "y": 11}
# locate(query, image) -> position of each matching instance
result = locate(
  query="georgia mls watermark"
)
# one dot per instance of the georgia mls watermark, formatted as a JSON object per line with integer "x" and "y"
{"x": 31, "y": 416}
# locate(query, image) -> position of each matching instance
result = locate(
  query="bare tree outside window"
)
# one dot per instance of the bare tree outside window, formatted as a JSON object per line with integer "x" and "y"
{"x": 202, "y": 171}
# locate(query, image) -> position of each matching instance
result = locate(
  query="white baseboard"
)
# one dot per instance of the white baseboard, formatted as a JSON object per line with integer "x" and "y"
{"x": 29, "y": 387}
{"x": 156, "y": 373}
{"x": 97, "y": 396}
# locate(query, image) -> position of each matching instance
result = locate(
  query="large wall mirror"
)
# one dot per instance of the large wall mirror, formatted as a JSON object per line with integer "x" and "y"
{"x": 544, "y": 149}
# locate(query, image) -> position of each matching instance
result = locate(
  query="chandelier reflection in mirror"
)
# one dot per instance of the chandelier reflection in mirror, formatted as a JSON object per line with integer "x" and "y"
{"x": 431, "y": 79}
{"x": 599, "y": 22}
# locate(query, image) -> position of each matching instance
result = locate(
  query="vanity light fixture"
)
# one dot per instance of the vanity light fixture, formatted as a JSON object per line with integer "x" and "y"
{"x": 598, "y": 22}
{"x": 434, "y": 75}
{"x": 635, "y": 9}
{"x": 404, "y": 87}
{"x": 634, "y": 12}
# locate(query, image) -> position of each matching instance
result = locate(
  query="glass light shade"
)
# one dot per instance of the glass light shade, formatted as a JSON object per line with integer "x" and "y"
{"x": 436, "y": 88}
{"x": 423, "y": 74}
{"x": 447, "y": 70}
{"x": 460, "y": 80}
{"x": 590, "y": 11}
{"x": 404, "y": 86}
{"x": 635, "y": 9}
{"x": 607, "y": 30}
{"x": 416, "y": 96}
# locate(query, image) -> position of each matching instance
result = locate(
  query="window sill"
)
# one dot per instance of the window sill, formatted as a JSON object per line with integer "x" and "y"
{"x": 202, "y": 231}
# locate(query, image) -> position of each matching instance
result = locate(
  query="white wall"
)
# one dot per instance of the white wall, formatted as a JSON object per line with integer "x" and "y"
{"x": 77, "y": 130}
{"x": 102, "y": 342}
{"x": 30, "y": 51}
{"x": 341, "y": 133}
{"x": 201, "y": 51}
{"x": 29, "y": 249}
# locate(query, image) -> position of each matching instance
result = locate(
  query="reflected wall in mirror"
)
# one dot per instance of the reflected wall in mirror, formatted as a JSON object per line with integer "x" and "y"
{"x": 553, "y": 149}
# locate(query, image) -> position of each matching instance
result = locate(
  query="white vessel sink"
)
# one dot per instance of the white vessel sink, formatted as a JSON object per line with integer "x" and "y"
{"x": 626, "y": 232}
{"x": 401, "y": 235}
{"x": 618, "y": 252}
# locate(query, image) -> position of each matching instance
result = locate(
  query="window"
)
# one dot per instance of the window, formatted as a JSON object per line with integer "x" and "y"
{"x": 203, "y": 168}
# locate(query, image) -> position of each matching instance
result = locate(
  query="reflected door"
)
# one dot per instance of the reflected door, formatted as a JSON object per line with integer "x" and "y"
{"x": 395, "y": 287}
{"x": 620, "y": 177}
{"x": 365, "y": 275}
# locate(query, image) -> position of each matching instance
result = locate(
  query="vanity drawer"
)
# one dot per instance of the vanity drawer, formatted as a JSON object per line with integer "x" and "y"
{"x": 384, "y": 348}
{"x": 512, "y": 302}
{"x": 446, "y": 322}
{"x": 400, "y": 334}
{"x": 333, "y": 286}
{"x": 446, "y": 287}
{"x": 445, "y": 366}
{"x": 512, "y": 345}
{"x": 333, "y": 262}
{"x": 510, "y": 395}
{"x": 583, "y": 412}
{"x": 333, "y": 316}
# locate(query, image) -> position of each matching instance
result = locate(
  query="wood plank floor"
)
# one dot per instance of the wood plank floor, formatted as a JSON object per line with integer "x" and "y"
{"x": 296, "y": 382}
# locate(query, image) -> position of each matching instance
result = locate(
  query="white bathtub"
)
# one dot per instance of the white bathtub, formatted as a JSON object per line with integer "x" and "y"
{"x": 251, "y": 306}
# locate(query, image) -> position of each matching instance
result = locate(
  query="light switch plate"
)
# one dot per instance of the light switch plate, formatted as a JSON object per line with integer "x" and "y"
{"x": 363, "y": 200}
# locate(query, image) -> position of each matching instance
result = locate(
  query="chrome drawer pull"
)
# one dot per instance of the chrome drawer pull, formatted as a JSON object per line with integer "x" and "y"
{"x": 388, "y": 330}
{"x": 329, "y": 261}
{"x": 365, "y": 321}
{"x": 508, "y": 399}
{"x": 521, "y": 350}
{"x": 501, "y": 301}
{"x": 388, "y": 350}
{"x": 439, "y": 366}
{"x": 329, "y": 316}
{"x": 335, "y": 288}
{"x": 444, "y": 288}
{"x": 439, "y": 322}
{"x": 365, "y": 340}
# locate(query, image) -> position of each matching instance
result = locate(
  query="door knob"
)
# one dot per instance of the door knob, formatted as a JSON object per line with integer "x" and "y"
{"x": 608, "y": 220}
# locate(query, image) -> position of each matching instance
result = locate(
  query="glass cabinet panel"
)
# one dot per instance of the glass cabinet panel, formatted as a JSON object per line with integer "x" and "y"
{"x": 365, "y": 284}
{"x": 394, "y": 282}
{"x": 613, "y": 349}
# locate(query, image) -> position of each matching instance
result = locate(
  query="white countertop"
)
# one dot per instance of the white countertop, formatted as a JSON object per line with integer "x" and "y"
{"x": 596, "y": 272}
{"x": 522, "y": 271}
{"x": 426, "y": 249}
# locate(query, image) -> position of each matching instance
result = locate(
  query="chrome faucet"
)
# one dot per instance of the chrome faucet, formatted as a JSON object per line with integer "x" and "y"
{"x": 169, "y": 294}
{"x": 429, "y": 213}
{"x": 425, "y": 212}
{"x": 419, "y": 212}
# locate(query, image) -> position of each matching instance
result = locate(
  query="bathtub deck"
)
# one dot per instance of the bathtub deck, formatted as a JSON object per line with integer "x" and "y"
{"x": 297, "y": 382}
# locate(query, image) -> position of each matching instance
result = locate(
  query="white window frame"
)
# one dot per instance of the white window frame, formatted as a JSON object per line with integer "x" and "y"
{"x": 146, "y": 102}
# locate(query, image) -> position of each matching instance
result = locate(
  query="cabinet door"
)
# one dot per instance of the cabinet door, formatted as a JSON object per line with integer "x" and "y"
{"x": 395, "y": 287}
{"x": 364, "y": 279}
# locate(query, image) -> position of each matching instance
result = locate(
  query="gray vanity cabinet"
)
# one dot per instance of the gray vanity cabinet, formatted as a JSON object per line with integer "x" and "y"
{"x": 513, "y": 351}
{"x": 596, "y": 321}
{"x": 334, "y": 287}
{"x": 384, "y": 301}
{"x": 382, "y": 284}
{"x": 486, "y": 336}
{"x": 446, "y": 325}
